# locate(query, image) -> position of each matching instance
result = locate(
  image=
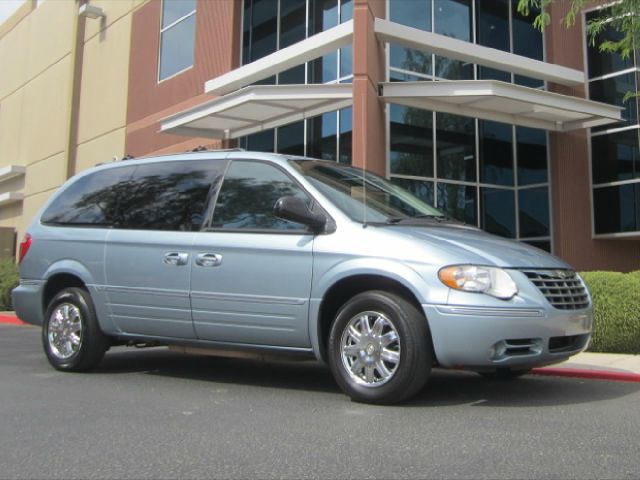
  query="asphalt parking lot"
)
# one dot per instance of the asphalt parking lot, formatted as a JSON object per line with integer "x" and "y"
{"x": 156, "y": 414}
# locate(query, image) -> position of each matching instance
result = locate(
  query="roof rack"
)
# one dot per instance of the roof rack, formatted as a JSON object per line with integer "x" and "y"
{"x": 202, "y": 148}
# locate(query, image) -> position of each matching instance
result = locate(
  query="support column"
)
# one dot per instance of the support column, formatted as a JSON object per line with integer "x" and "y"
{"x": 369, "y": 123}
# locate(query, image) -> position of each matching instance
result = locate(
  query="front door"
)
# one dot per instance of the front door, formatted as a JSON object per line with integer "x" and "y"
{"x": 251, "y": 276}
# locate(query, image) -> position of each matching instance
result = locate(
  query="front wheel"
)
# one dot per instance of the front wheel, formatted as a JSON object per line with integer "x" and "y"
{"x": 71, "y": 336}
{"x": 380, "y": 348}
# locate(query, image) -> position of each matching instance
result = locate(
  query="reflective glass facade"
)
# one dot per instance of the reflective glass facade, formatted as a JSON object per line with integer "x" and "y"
{"x": 486, "y": 173}
{"x": 615, "y": 149}
{"x": 269, "y": 25}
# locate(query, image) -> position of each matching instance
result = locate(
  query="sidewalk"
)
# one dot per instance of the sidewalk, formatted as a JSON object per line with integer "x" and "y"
{"x": 600, "y": 366}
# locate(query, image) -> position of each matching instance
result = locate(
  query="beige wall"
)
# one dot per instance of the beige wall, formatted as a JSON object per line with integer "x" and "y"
{"x": 37, "y": 64}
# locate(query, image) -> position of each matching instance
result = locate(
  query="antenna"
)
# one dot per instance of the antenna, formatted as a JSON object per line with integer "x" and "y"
{"x": 364, "y": 167}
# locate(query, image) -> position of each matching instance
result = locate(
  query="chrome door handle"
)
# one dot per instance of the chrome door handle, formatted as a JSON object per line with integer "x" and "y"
{"x": 208, "y": 259}
{"x": 175, "y": 258}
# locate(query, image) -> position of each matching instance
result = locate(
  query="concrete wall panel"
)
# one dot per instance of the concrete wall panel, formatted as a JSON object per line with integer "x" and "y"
{"x": 46, "y": 108}
{"x": 50, "y": 35}
{"x": 45, "y": 175}
{"x": 101, "y": 149}
{"x": 10, "y": 129}
{"x": 105, "y": 73}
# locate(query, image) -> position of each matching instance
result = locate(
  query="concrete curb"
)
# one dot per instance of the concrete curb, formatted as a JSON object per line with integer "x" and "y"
{"x": 589, "y": 374}
{"x": 10, "y": 319}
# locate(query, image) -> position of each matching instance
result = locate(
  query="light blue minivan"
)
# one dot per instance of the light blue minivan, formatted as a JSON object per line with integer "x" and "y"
{"x": 234, "y": 251}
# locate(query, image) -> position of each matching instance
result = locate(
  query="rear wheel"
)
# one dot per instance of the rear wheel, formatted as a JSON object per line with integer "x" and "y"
{"x": 380, "y": 348}
{"x": 71, "y": 336}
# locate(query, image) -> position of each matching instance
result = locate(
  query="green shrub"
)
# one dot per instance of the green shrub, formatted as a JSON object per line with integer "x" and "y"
{"x": 9, "y": 278}
{"x": 616, "y": 302}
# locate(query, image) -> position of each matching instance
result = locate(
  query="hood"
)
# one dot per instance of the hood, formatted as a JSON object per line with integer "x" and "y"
{"x": 474, "y": 246}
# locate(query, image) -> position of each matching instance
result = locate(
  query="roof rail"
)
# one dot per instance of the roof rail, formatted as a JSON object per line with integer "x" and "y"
{"x": 202, "y": 148}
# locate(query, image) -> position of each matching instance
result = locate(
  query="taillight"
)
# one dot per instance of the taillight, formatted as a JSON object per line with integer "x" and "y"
{"x": 24, "y": 246}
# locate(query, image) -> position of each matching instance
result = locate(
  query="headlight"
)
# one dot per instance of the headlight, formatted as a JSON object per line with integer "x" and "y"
{"x": 471, "y": 278}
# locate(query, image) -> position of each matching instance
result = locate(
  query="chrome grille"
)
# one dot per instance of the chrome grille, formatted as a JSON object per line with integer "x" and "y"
{"x": 562, "y": 288}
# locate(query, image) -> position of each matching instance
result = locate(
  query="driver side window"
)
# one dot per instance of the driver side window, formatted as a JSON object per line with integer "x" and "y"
{"x": 247, "y": 196}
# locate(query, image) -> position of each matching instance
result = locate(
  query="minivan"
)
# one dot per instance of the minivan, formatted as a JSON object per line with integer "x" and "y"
{"x": 259, "y": 253}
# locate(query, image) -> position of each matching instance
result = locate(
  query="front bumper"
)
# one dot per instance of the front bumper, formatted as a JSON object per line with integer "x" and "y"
{"x": 484, "y": 338}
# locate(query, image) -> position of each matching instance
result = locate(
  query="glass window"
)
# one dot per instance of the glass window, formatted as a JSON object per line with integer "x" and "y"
{"x": 493, "y": 24}
{"x": 420, "y": 188}
{"x": 346, "y": 132}
{"x": 612, "y": 90}
{"x": 322, "y": 136}
{"x": 527, "y": 39}
{"x": 603, "y": 63}
{"x": 616, "y": 208}
{"x": 248, "y": 195}
{"x": 173, "y": 10}
{"x": 498, "y": 211}
{"x": 534, "y": 212}
{"x": 456, "y": 146}
{"x": 616, "y": 156}
{"x": 541, "y": 244}
{"x": 177, "y": 36}
{"x": 458, "y": 201}
{"x": 323, "y": 14}
{"x": 170, "y": 196}
{"x": 92, "y": 200}
{"x": 496, "y": 152}
{"x": 264, "y": 28}
{"x": 291, "y": 139}
{"x": 261, "y": 141}
{"x": 416, "y": 14}
{"x": 453, "y": 19}
{"x": 383, "y": 202}
{"x": 292, "y": 22}
{"x": 411, "y": 141}
{"x": 532, "y": 155}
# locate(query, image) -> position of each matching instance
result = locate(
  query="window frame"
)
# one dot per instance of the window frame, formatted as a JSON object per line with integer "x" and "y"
{"x": 166, "y": 29}
{"x": 315, "y": 205}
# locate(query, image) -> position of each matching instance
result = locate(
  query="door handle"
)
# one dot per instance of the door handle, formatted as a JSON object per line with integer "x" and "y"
{"x": 175, "y": 258}
{"x": 208, "y": 259}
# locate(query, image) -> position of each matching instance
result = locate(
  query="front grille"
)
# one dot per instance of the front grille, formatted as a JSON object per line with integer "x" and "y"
{"x": 562, "y": 288}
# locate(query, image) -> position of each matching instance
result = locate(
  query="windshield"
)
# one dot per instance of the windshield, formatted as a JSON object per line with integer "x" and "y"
{"x": 345, "y": 187}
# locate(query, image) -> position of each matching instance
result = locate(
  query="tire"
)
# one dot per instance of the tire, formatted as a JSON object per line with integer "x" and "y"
{"x": 380, "y": 369}
{"x": 71, "y": 336}
{"x": 505, "y": 374}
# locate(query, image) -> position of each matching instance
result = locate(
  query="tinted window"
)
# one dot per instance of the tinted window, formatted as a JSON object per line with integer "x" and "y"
{"x": 616, "y": 156}
{"x": 248, "y": 194}
{"x": 456, "y": 145}
{"x": 92, "y": 200}
{"x": 496, "y": 153}
{"x": 169, "y": 196}
{"x": 411, "y": 141}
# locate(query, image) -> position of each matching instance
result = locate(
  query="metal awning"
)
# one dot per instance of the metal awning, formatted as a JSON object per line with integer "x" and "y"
{"x": 256, "y": 108}
{"x": 502, "y": 102}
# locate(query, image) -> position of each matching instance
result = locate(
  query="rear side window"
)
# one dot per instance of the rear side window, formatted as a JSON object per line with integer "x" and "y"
{"x": 93, "y": 200}
{"x": 170, "y": 196}
{"x": 156, "y": 196}
{"x": 248, "y": 195}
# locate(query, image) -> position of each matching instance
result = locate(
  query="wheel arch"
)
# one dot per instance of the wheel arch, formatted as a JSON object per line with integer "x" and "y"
{"x": 347, "y": 287}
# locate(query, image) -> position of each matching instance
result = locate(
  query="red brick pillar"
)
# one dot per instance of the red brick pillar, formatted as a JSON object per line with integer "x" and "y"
{"x": 369, "y": 146}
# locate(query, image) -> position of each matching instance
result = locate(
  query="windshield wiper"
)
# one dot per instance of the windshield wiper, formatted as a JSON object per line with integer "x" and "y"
{"x": 398, "y": 220}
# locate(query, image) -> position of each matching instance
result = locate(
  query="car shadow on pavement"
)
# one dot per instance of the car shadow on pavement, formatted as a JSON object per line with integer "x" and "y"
{"x": 287, "y": 374}
{"x": 445, "y": 387}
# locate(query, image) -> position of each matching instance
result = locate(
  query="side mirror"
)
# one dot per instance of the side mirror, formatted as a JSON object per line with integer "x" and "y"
{"x": 295, "y": 209}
